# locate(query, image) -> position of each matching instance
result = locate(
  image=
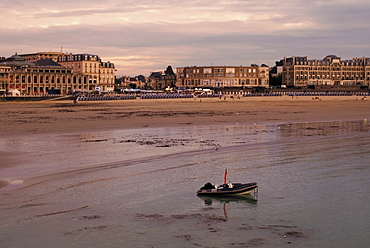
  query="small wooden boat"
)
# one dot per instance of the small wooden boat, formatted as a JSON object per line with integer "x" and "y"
{"x": 227, "y": 188}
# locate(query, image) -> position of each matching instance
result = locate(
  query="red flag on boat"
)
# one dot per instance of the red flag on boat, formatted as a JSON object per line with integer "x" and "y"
{"x": 225, "y": 176}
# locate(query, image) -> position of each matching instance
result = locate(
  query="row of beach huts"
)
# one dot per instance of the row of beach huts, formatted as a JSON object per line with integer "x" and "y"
{"x": 179, "y": 95}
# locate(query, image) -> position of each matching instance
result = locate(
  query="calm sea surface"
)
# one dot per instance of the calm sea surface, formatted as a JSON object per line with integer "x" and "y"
{"x": 137, "y": 188}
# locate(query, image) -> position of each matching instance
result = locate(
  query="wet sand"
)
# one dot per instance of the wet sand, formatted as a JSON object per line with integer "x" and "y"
{"x": 27, "y": 118}
{"x": 3, "y": 184}
{"x": 53, "y": 194}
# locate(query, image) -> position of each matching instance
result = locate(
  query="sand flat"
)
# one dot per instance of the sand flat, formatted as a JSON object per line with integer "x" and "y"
{"x": 24, "y": 118}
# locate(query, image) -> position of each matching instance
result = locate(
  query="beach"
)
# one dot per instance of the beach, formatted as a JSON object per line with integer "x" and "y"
{"x": 25, "y": 118}
{"x": 125, "y": 173}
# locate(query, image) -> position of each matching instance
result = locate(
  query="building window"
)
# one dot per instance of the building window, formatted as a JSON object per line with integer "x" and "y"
{"x": 218, "y": 72}
{"x": 230, "y": 72}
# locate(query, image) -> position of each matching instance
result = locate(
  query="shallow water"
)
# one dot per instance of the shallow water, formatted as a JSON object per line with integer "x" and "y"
{"x": 136, "y": 188}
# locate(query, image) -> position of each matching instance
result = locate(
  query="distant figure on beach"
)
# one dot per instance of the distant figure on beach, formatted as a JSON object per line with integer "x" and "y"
{"x": 74, "y": 97}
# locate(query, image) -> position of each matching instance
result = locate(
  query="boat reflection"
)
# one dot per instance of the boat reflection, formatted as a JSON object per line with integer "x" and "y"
{"x": 209, "y": 200}
{"x": 225, "y": 200}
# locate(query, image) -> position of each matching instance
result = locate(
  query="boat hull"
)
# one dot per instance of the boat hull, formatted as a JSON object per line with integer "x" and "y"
{"x": 237, "y": 189}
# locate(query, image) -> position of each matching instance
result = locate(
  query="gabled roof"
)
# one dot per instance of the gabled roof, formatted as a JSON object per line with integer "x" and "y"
{"x": 169, "y": 71}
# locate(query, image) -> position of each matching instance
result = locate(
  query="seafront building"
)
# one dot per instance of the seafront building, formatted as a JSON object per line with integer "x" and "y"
{"x": 30, "y": 78}
{"x": 33, "y": 57}
{"x": 128, "y": 82}
{"x": 39, "y": 73}
{"x": 223, "y": 76}
{"x": 99, "y": 73}
{"x": 330, "y": 71}
{"x": 4, "y": 77}
{"x": 162, "y": 80}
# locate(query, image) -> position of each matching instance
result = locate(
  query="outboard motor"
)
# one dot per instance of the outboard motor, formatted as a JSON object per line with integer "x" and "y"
{"x": 207, "y": 186}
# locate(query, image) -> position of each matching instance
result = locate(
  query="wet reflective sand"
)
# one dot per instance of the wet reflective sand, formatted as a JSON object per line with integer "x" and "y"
{"x": 137, "y": 187}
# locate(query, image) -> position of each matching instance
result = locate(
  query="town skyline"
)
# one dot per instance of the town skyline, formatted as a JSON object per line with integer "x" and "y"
{"x": 144, "y": 36}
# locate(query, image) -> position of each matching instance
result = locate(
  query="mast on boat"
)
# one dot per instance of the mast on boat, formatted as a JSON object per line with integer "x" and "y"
{"x": 225, "y": 176}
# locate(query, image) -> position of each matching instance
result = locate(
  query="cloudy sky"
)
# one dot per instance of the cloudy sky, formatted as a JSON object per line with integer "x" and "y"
{"x": 141, "y": 36}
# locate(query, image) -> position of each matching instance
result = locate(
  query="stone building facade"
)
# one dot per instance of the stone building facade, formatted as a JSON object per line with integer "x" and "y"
{"x": 223, "y": 76}
{"x": 33, "y": 57}
{"x": 162, "y": 80}
{"x": 74, "y": 72}
{"x": 39, "y": 77}
{"x": 99, "y": 73}
{"x": 330, "y": 71}
{"x": 4, "y": 78}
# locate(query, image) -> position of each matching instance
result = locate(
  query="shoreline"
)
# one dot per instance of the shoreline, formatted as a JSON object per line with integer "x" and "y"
{"x": 49, "y": 117}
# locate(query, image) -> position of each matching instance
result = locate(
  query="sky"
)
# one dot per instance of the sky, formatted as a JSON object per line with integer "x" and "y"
{"x": 142, "y": 36}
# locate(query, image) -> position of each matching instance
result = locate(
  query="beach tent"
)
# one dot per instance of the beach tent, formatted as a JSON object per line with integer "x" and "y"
{"x": 14, "y": 92}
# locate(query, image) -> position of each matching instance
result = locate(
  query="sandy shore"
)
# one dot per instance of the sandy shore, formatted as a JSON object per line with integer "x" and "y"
{"x": 3, "y": 184}
{"x": 65, "y": 117}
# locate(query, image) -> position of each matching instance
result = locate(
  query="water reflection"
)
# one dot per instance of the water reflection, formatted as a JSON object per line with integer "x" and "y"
{"x": 209, "y": 200}
{"x": 226, "y": 200}
{"x": 322, "y": 128}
